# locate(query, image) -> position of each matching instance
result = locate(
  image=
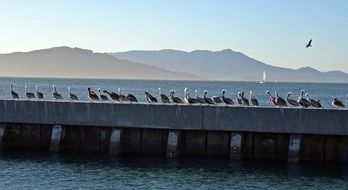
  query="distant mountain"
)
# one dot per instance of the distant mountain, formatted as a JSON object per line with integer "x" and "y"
{"x": 80, "y": 63}
{"x": 227, "y": 65}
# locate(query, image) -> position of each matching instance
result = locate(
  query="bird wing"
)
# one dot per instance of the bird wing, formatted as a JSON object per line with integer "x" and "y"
{"x": 309, "y": 43}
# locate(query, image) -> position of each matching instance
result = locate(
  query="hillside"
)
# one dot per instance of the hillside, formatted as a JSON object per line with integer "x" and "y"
{"x": 65, "y": 62}
{"x": 227, "y": 65}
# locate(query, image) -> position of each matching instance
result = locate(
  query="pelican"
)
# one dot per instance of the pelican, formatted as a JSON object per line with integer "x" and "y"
{"x": 71, "y": 95}
{"x": 149, "y": 98}
{"x": 206, "y": 99}
{"x": 313, "y": 102}
{"x": 122, "y": 97}
{"x": 39, "y": 95}
{"x": 174, "y": 98}
{"x": 239, "y": 99}
{"x": 13, "y": 93}
{"x": 302, "y": 101}
{"x": 226, "y": 100}
{"x": 336, "y": 103}
{"x": 216, "y": 99}
{"x": 29, "y": 95}
{"x": 309, "y": 44}
{"x": 114, "y": 96}
{"x": 253, "y": 100}
{"x": 92, "y": 95}
{"x": 55, "y": 94}
{"x": 279, "y": 100}
{"x": 201, "y": 100}
{"x": 102, "y": 96}
{"x": 188, "y": 99}
{"x": 131, "y": 98}
{"x": 244, "y": 100}
{"x": 164, "y": 98}
{"x": 291, "y": 101}
{"x": 271, "y": 98}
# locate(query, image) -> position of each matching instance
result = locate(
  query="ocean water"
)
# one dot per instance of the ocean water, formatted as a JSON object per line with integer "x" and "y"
{"x": 32, "y": 170}
{"x": 324, "y": 92}
{"x": 38, "y": 170}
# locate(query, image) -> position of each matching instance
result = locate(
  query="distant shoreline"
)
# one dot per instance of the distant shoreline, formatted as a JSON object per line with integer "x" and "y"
{"x": 183, "y": 80}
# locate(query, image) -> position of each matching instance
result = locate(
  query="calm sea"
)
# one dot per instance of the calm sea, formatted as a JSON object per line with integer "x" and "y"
{"x": 33, "y": 170}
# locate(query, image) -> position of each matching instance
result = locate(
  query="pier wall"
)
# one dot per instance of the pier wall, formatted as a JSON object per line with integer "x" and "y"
{"x": 238, "y": 133}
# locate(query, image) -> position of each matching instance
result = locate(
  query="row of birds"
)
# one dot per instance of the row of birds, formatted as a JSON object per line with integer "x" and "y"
{"x": 303, "y": 100}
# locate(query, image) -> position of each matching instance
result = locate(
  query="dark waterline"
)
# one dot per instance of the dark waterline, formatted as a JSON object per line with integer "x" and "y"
{"x": 34, "y": 170}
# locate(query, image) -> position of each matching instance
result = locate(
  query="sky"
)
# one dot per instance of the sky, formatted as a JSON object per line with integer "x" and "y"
{"x": 274, "y": 32}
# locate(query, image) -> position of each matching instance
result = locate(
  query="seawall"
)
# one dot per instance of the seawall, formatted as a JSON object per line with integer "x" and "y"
{"x": 235, "y": 132}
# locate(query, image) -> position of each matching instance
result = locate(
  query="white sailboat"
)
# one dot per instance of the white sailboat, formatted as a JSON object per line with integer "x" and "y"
{"x": 264, "y": 78}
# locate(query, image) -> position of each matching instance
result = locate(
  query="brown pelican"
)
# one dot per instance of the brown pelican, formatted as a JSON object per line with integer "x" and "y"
{"x": 253, "y": 100}
{"x": 226, "y": 100}
{"x": 302, "y": 101}
{"x": 164, "y": 98}
{"x": 313, "y": 102}
{"x": 39, "y": 95}
{"x": 188, "y": 99}
{"x": 29, "y": 95}
{"x": 206, "y": 99}
{"x": 131, "y": 98}
{"x": 71, "y": 95}
{"x": 149, "y": 98}
{"x": 174, "y": 98}
{"x": 309, "y": 44}
{"x": 291, "y": 101}
{"x": 55, "y": 94}
{"x": 92, "y": 95}
{"x": 217, "y": 99}
{"x": 13, "y": 93}
{"x": 271, "y": 98}
{"x": 102, "y": 96}
{"x": 201, "y": 100}
{"x": 336, "y": 103}
{"x": 244, "y": 100}
{"x": 114, "y": 96}
{"x": 279, "y": 100}
{"x": 239, "y": 99}
{"x": 122, "y": 97}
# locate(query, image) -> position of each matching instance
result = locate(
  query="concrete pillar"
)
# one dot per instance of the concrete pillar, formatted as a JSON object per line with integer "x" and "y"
{"x": 173, "y": 143}
{"x": 2, "y": 133}
{"x": 235, "y": 146}
{"x": 294, "y": 149}
{"x": 115, "y": 141}
{"x": 56, "y": 137}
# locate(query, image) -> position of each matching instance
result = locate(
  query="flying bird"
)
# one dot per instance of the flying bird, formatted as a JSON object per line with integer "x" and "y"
{"x": 309, "y": 44}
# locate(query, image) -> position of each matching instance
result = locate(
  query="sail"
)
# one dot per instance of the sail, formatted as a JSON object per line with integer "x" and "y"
{"x": 264, "y": 76}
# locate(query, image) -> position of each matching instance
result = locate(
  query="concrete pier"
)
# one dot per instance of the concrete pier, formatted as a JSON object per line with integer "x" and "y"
{"x": 56, "y": 138}
{"x": 173, "y": 144}
{"x": 239, "y": 133}
{"x": 2, "y": 132}
{"x": 294, "y": 149}
{"x": 115, "y": 142}
{"x": 236, "y": 146}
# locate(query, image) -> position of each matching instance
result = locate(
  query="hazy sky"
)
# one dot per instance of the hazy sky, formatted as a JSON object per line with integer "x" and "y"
{"x": 272, "y": 31}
